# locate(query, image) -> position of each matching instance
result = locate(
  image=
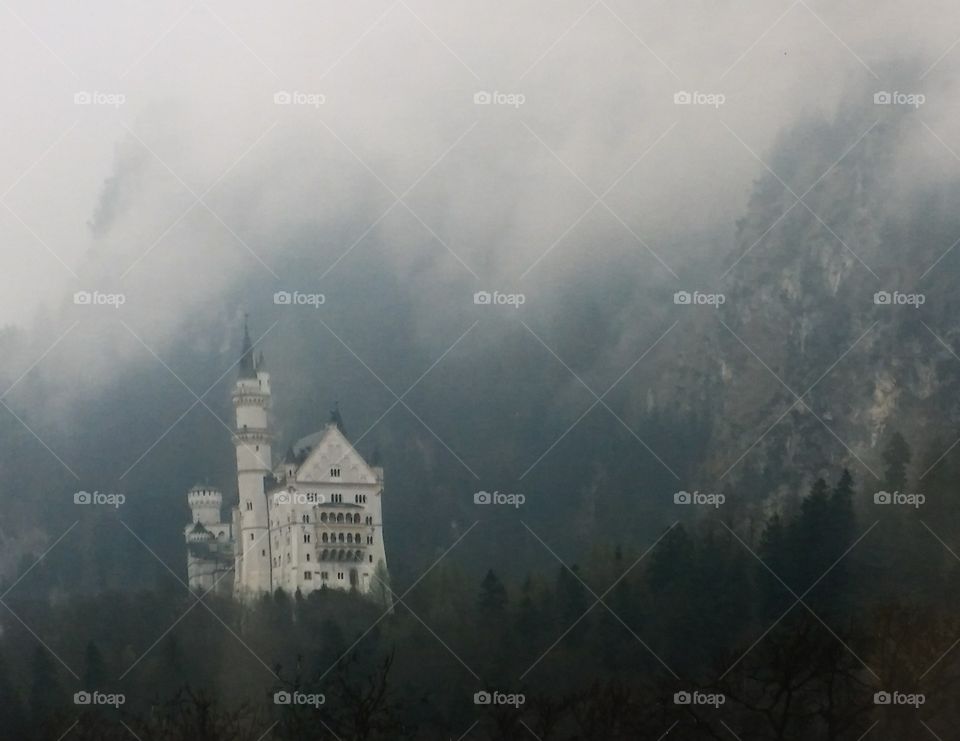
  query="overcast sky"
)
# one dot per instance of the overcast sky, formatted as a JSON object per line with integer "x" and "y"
{"x": 103, "y": 195}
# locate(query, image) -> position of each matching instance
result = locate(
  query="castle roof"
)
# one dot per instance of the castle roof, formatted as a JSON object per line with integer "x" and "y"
{"x": 330, "y": 448}
{"x": 302, "y": 447}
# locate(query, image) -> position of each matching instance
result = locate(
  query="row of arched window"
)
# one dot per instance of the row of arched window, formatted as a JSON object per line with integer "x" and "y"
{"x": 340, "y": 554}
{"x": 339, "y": 538}
{"x": 340, "y": 517}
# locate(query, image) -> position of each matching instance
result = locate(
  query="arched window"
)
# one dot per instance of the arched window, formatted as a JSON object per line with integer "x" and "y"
{"x": 356, "y": 537}
{"x": 349, "y": 537}
{"x": 340, "y": 518}
{"x": 323, "y": 517}
{"x": 340, "y": 537}
{"x": 323, "y": 537}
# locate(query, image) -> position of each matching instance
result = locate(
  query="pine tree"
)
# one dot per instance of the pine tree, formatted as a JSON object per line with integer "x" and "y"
{"x": 896, "y": 456}
{"x": 13, "y": 720}
{"x": 493, "y": 596}
{"x": 811, "y": 557}
{"x": 672, "y": 560}
{"x": 94, "y": 670}
{"x": 380, "y": 589}
{"x": 46, "y": 694}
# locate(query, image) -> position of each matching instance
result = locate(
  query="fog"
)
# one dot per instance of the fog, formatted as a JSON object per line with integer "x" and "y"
{"x": 193, "y": 160}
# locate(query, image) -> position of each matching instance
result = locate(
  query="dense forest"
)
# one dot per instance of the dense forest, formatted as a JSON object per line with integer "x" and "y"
{"x": 715, "y": 629}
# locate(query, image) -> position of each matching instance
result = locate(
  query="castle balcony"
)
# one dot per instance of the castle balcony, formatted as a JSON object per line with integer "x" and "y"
{"x": 340, "y": 520}
{"x": 354, "y": 554}
{"x": 252, "y": 435}
{"x": 341, "y": 539}
{"x": 250, "y": 394}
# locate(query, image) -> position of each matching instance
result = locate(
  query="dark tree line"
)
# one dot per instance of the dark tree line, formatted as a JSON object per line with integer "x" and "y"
{"x": 796, "y": 623}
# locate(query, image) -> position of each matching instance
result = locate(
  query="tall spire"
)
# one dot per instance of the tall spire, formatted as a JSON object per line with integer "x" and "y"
{"x": 247, "y": 366}
{"x": 336, "y": 419}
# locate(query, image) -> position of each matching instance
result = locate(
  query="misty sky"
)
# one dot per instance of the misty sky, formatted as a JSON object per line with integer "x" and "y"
{"x": 105, "y": 197}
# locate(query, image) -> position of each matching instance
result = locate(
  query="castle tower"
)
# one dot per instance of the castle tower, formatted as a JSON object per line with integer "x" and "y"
{"x": 205, "y": 503}
{"x": 210, "y": 556}
{"x": 251, "y": 399}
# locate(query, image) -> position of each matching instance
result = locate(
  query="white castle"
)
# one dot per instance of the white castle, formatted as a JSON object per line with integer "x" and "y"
{"x": 311, "y": 521}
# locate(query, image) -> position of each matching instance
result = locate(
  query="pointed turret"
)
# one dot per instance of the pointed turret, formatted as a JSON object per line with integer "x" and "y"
{"x": 251, "y": 399}
{"x": 247, "y": 365}
{"x": 336, "y": 419}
